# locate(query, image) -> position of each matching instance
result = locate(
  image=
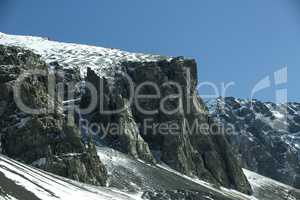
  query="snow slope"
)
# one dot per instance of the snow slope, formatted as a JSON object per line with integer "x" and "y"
{"x": 266, "y": 188}
{"x": 105, "y": 61}
{"x": 135, "y": 176}
{"x": 18, "y": 181}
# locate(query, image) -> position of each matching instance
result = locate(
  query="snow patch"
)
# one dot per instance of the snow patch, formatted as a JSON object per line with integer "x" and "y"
{"x": 277, "y": 115}
{"x": 103, "y": 61}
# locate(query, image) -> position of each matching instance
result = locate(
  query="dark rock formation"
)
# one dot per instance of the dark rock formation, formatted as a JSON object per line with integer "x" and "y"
{"x": 187, "y": 147}
{"x": 265, "y": 136}
{"x": 44, "y": 140}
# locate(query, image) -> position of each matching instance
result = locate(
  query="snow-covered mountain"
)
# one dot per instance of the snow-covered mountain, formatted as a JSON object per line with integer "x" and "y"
{"x": 265, "y": 136}
{"x": 128, "y": 165}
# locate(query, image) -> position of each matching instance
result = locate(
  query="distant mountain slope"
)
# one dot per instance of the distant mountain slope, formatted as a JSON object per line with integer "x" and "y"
{"x": 266, "y": 136}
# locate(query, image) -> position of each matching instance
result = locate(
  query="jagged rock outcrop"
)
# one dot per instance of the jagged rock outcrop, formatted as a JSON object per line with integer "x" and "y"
{"x": 196, "y": 152}
{"x": 264, "y": 136}
{"x": 127, "y": 137}
{"x": 44, "y": 140}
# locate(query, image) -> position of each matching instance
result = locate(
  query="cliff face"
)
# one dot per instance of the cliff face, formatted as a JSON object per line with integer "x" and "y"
{"x": 182, "y": 143}
{"x": 187, "y": 148}
{"x": 265, "y": 138}
{"x": 43, "y": 140}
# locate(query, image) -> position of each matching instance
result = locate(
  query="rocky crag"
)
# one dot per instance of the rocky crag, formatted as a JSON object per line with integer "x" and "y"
{"x": 197, "y": 152}
{"x": 43, "y": 140}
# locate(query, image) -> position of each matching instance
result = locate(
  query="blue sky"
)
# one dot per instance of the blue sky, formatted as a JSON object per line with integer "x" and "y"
{"x": 234, "y": 40}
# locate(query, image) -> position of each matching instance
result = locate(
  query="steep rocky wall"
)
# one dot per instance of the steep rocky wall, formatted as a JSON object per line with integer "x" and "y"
{"x": 195, "y": 152}
{"x": 44, "y": 140}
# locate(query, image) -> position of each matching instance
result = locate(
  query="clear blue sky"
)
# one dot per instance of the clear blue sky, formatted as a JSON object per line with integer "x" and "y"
{"x": 232, "y": 40}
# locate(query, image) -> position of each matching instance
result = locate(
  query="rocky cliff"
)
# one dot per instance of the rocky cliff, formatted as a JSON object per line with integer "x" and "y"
{"x": 197, "y": 152}
{"x": 194, "y": 151}
{"x": 44, "y": 140}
